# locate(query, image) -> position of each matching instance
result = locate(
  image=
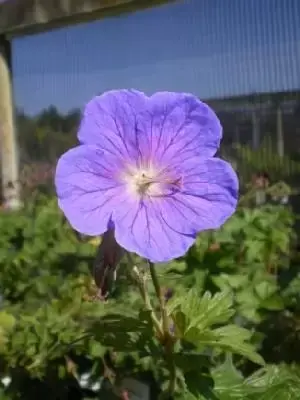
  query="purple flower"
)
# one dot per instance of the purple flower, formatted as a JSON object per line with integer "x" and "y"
{"x": 145, "y": 167}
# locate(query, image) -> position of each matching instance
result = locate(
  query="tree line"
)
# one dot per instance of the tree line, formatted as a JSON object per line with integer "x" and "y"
{"x": 44, "y": 137}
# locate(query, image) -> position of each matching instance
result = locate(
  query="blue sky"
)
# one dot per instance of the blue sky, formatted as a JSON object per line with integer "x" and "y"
{"x": 213, "y": 48}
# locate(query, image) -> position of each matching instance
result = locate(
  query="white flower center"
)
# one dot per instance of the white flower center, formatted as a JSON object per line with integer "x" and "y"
{"x": 150, "y": 182}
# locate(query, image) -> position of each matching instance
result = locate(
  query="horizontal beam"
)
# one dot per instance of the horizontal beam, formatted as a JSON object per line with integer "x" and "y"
{"x": 25, "y": 17}
{"x": 257, "y": 97}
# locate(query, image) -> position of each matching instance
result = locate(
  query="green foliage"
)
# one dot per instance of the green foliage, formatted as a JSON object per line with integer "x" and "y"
{"x": 271, "y": 382}
{"x": 227, "y": 291}
{"x": 265, "y": 158}
{"x": 47, "y": 135}
{"x": 250, "y": 251}
{"x": 198, "y": 319}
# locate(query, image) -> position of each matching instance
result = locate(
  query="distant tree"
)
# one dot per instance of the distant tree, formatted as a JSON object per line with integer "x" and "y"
{"x": 71, "y": 121}
{"x": 47, "y": 135}
{"x": 50, "y": 118}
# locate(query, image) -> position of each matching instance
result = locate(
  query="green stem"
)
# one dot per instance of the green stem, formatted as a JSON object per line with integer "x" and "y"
{"x": 141, "y": 283}
{"x": 162, "y": 329}
{"x": 160, "y": 298}
{"x": 172, "y": 370}
{"x": 168, "y": 339}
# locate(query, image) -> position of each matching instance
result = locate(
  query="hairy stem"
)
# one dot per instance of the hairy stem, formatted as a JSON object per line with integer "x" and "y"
{"x": 160, "y": 298}
{"x": 168, "y": 339}
{"x": 172, "y": 370}
{"x": 142, "y": 286}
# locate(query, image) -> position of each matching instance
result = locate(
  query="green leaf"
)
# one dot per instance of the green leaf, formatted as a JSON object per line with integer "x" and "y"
{"x": 180, "y": 322}
{"x": 201, "y": 311}
{"x": 235, "y": 339}
{"x": 200, "y": 385}
{"x": 96, "y": 349}
{"x": 229, "y": 338}
{"x": 273, "y": 303}
{"x": 7, "y": 321}
{"x": 229, "y": 382}
{"x": 266, "y": 288}
{"x": 275, "y": 383}
{"x": 187, "y": 361}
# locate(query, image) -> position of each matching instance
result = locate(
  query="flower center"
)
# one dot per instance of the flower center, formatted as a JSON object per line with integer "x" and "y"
{"x": 143, "y": 183}
{"x": 148, "y": 182}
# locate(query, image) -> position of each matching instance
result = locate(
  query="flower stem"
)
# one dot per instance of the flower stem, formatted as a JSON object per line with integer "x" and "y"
{"x": 162, "y": 328}
{"x": 168, "y": 341}
{"x": 142, "y": 286}
{"x": 172, "y": 370}
{"x": 160, "y": 298}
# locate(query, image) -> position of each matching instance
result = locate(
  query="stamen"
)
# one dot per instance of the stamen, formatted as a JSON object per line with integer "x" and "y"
{"x": 152, "y": 184}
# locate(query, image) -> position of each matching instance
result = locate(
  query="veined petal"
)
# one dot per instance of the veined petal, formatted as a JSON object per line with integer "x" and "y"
{"x": 140, "y": 228}
{"x": 110, "y": 121}
{"x": 164, "y": 228}
{"x": 209, "y": 194}
{"x": 87, "y": 189}
{"x": 176, "y": 126}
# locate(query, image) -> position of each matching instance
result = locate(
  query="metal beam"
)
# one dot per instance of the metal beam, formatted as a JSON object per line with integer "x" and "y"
{"x": 8, "y": 142}
{"x": 254, "y": 99}
{"x": 24, "y": 17}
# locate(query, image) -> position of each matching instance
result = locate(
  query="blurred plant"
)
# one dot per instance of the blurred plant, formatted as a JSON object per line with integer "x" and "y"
{"x": 265, "y": 158}
{"x": 57, "y": 343}
{"x": 35, "y": 176}
{"x": 234, "y": 297}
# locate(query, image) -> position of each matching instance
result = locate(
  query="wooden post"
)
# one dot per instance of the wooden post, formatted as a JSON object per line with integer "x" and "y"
{"x": 8, "y": 142}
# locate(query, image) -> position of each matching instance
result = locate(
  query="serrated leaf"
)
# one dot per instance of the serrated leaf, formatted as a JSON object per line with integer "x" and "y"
{"x": 229, "y": 382}
{"x": 202, "y": 311}
{"x": 275, "y": 383}
{"x": 230, "y": 338}
{"x": 235, "y": 339}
